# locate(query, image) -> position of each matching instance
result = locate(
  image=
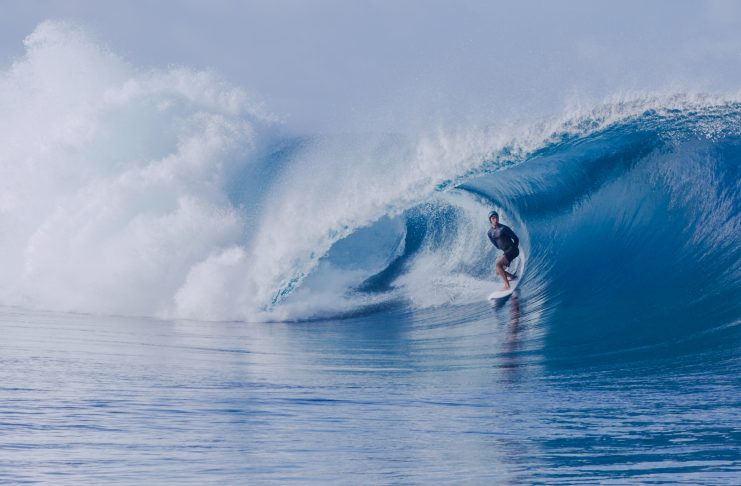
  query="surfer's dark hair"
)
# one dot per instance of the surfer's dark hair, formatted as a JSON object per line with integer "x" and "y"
{"x": 493, "y": 214}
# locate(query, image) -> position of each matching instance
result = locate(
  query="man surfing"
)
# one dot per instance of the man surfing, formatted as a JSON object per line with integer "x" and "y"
{"x": 505, "y": 239}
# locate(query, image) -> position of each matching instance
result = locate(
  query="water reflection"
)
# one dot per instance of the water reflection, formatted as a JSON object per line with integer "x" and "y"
{"x": 511, "y": 362}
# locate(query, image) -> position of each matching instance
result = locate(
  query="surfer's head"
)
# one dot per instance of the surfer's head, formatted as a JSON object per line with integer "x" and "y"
{"x": 493, "y": 218}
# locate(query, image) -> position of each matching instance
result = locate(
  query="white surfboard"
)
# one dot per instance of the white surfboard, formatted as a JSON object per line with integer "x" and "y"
{"x": 517, "y": 267}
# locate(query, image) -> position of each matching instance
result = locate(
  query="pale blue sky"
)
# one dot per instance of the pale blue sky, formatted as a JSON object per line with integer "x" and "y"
{"x": 329, "y": 65}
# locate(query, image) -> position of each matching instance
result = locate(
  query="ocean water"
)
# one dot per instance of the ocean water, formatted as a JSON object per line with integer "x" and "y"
{"x": 190, "y": 294}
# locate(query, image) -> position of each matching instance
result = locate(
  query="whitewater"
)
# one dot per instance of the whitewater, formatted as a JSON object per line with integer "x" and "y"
{"x": 327, "y": 293}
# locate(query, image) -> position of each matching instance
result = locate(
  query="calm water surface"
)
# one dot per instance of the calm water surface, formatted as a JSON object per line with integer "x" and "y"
{"x": 474, "y": 395}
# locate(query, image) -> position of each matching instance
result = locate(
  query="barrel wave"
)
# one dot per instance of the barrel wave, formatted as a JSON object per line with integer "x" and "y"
{"x": 171, "y": 193}
{"x": 631, "y": 231}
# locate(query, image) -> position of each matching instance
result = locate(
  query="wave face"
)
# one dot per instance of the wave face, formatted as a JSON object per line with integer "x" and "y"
{"x": 629, "y": 214}
{"x": 170, "y": 193}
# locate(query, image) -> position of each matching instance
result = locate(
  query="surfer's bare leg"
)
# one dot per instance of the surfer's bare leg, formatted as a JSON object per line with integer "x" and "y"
{"x": 501, "y": 263}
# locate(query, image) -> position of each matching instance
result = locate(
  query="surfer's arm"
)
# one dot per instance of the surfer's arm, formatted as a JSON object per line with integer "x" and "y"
{"x": 513, "y": 236}
{"x": 493, "y": 242}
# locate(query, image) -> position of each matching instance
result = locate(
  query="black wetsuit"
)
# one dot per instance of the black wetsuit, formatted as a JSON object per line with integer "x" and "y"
{"x": 506, "y": 240}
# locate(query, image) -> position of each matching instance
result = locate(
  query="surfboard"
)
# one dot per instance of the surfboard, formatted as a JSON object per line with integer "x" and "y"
{"x": 517, "y": 268}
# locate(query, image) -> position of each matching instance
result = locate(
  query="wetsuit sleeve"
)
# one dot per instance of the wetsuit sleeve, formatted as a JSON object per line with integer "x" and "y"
{"x": 488, "y": 233}
{"x": 514, "y": 237}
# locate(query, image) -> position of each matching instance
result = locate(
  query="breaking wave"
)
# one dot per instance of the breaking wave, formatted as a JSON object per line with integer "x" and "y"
{"x": 171, "y": 193}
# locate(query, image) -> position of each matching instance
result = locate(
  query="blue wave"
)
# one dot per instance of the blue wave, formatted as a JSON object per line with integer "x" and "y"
{"x": 632, "y": 232}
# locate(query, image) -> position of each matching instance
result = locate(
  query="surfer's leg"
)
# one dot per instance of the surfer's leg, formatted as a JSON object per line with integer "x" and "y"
{"x": 501, "y": 263}
{"x": 510, "y": 256}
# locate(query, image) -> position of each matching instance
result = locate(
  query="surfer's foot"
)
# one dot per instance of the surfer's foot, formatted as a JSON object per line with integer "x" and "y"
{"x": 504, "y": 288}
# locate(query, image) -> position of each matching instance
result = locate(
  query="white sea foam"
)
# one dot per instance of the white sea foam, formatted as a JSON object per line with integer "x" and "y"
{"x": 112, "y": 177}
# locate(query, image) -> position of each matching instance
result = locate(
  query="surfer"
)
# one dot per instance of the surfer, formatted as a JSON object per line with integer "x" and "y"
{"x": 505, "y": 239}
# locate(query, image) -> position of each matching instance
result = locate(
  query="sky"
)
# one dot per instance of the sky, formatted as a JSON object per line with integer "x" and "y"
{"x": 331, "y": 66}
